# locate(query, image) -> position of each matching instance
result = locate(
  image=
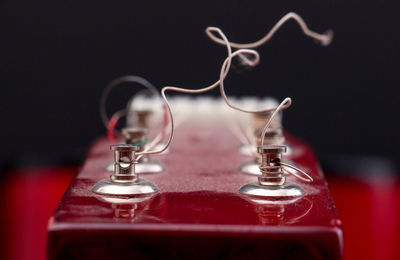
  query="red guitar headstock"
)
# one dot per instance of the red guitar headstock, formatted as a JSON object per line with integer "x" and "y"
{"x": 205, "y": 198}
{"x": 198, "y": 210}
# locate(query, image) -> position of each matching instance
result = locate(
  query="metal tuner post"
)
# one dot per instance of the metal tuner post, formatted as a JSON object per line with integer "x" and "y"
{"x": 272, "y": 181}
{"x": 273, "y": 137}
{"x": 125, "y": 180}
{"x": 138, "y": 137}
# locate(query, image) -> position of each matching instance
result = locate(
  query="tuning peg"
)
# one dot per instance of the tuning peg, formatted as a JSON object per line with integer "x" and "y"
{"x": 138, "y": 137}
{"x": 124, "y": 180}
{"x": 271, "y": 180}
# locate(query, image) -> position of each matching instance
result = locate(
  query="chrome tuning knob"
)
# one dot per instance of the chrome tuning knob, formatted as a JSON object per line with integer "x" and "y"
{"x": 271, "y": 180}
{"x": 124, "y": 180}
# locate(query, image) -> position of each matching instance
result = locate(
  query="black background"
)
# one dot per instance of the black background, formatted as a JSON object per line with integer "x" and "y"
{"x": 57, "y": 56}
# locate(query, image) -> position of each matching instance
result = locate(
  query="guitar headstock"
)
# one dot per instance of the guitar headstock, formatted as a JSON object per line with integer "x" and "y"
{"x": 232, "y": 184}
{"x": 198, "y": 208}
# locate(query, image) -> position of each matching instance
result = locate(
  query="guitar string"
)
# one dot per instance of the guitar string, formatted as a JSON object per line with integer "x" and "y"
{"x": 111, "y": 123}
{"x": 323, "y": 38}
{"x": 142, "y": 81}
{"x": 119, "y": 114}
{"x": 224, "y": 71}
{"x": 271, "y": 118}
{"x": 116, "y": 82}
{"x": 308, "y": 178}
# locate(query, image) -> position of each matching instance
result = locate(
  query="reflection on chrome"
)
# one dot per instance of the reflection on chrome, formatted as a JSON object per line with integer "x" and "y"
{"x": 281, "y": 212}
{"x": 129, "y": 208}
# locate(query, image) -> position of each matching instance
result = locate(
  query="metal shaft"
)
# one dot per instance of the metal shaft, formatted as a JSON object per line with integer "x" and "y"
{"x": 271, "y": 171}
{"x": 124, "y": 163}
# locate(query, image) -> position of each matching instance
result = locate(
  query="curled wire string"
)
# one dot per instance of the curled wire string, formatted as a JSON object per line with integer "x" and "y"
{"x": 159, "y": 138}
{"x": 223, "y": 94}
{"x": 325, "y": 39}
{"x": 224, "y": 71}
{"x": 144, "y": 82}
{"x": 118, "y": 115}
{"x": 308, "y": 177}
{"x": 115, "y": 83}
{"x": 155, "y": 141}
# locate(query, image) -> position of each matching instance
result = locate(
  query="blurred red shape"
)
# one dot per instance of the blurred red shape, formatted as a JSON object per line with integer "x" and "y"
{"x": 29, "y": 197}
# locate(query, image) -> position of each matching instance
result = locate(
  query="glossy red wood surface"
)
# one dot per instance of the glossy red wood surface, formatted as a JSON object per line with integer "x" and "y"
{"x": 371, "y": 229}
{"x": 198, "y": 212}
